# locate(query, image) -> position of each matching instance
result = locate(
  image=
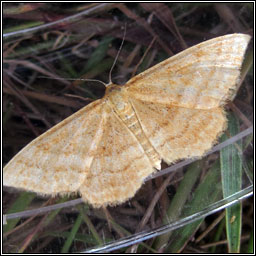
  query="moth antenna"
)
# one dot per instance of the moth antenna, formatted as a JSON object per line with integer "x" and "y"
{"x": 75, "y": 79}
{"x": 110, "y": 72}
{"x": 119, "y": 50}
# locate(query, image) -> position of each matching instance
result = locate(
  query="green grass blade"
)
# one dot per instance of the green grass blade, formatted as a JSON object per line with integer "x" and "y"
{"x": 72, "y": 234}
{"x": 83, "y": 209}
{"x": 231, "y": 172}
{"x": 218, "y": 234}
{"x": 98, "y": 55}
{"x": 251, "y": 244}
{"x": 178, "y": 202}
{"x": 51, "y": 216}
{"x": 207, "y": 192}
{"x": 20, "y": 204}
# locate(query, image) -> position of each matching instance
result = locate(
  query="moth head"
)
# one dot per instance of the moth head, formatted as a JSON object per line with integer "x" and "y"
{"x": 112, "y": 88}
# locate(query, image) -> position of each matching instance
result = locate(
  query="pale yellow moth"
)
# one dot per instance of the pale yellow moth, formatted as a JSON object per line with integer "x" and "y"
{"x": 105, "y": 151}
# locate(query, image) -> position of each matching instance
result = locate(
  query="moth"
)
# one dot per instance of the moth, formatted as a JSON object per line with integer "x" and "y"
{"x": 172, "y": 111}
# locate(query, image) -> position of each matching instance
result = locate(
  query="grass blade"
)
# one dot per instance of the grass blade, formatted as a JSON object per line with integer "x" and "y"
{"x": 231, "y": 172}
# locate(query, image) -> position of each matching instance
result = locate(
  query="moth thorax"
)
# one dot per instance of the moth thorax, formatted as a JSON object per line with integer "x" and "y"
{"x": 116, "y": 98}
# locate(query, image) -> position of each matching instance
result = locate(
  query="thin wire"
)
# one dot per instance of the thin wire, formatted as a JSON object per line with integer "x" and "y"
{"x": 119, "y": 50}
{"x": 149, "y": 234}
